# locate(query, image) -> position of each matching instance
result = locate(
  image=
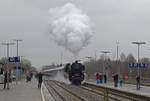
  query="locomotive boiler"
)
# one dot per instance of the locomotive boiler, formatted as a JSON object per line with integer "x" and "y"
{"x": 75, "y": 72}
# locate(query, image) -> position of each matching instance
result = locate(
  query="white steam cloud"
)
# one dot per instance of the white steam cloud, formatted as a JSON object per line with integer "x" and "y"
{"x": 70, "y": 28}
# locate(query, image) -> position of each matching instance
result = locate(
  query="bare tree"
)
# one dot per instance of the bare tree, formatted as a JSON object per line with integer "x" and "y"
{"x": 122, "y": 57}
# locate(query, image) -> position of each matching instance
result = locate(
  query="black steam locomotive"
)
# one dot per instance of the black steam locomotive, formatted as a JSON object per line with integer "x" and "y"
{"x": 75, "y": 72}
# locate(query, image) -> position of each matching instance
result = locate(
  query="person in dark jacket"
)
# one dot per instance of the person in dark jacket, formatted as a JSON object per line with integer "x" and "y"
{"x": 40, "y": 80}
{"x": 105, "y": 78}
{"x": 138, "y": 82}
{"x": 5, "y": 79}
{"x": 115, "y": 80}
{"x": 1, "y": 71}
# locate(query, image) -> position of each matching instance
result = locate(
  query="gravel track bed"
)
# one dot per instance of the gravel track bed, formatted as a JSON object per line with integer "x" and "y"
{"x": 88, "y": 93}
{"x": 112, "y": 95}
{"x": 65, "y": 94}
{"x": 55, "y": 96}
{"x": 90, "y": 96}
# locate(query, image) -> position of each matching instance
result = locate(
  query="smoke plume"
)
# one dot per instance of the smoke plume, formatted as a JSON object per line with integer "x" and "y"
{"x": 70, "y": 28}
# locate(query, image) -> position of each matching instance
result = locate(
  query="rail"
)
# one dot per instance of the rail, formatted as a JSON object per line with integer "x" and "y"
{"x": 60, "y": 95}
{"x": 117, "y": 93}
{"x": 82, "y": 99}
{"x": 63, "y": 99}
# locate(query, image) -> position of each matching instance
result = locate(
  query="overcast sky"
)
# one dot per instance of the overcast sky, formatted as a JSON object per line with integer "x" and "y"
{"x": 122, "y": 20}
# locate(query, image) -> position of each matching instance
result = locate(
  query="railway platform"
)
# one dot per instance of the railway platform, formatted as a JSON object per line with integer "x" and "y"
{"x": 131, "y": 88}
{"x": 21, "y": 92}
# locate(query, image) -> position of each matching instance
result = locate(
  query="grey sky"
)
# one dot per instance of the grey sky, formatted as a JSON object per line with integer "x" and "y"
{"x": 123, "y": 20}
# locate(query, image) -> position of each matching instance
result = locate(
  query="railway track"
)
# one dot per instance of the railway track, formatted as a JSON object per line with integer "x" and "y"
{"x": 71, "y": 92}
{"x": 90, "y": 92}
{"x": 112, "y": 97}
{"x": 88, "y": 95}
{"x": 101, "y": 92}
{"x": 60, "y": 93}
{"x": 115, "y": 94}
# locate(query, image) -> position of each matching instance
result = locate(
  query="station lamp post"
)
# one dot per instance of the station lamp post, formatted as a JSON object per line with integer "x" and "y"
{"x": 61, "y": 58}
{"x": 17, "y": 41}
{"x": 138, "y": 43}
{"x": 117, "y": 50}
{"x": 118, "y": 58}
{"x": 21, "y": 64}
{"x": 105, "y": 54}
{"x": 95, "y": 55}
{"x": 7, "y": 69}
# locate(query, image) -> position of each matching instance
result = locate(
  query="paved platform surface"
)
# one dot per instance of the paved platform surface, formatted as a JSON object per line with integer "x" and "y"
{"x": 144, "y": 90}
{"x": 21, "y": 92}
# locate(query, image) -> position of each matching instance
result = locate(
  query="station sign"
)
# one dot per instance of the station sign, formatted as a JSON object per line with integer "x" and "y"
{"x": 141, "y": 65}
{"x": 105, "y": 68}
{"x": 14, "y": 59}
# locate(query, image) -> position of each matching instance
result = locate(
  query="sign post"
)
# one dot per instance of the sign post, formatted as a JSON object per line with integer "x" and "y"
{"x": 14, "y": 59}
{"x": 138, "y": 65}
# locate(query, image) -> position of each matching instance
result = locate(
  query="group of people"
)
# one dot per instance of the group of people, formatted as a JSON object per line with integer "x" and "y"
{"x": 103, "y": 77}
{"x": 118, "y": 79}
{"x": 38, "y": 76}
{"x": 115, "y": 76}
{"x": 100, "y": 77}
{"x": 29, "y": 76}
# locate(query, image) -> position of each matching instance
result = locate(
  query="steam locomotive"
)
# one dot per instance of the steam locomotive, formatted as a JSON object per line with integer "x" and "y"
{"x": 75, "y": 72}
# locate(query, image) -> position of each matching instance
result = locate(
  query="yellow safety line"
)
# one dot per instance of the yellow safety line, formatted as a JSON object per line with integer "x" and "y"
{"x": 43, "y": 98}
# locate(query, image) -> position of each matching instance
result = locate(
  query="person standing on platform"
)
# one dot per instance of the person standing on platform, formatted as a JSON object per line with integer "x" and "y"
{"x": 40, "y": 80}
{"x": 115, "y": 80}
{"x": 31, "y": 75}
{"x": 101, "y": 78}
{"x": 138, "y": 82}
{"x": 123, "y": 77}
{"x": 98, "y": 78}
{"x": 105, "y": 78}
{"x": 121, "y": 81}
{"x": 27, "y": 77}
{"x": 5, "y": 79}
